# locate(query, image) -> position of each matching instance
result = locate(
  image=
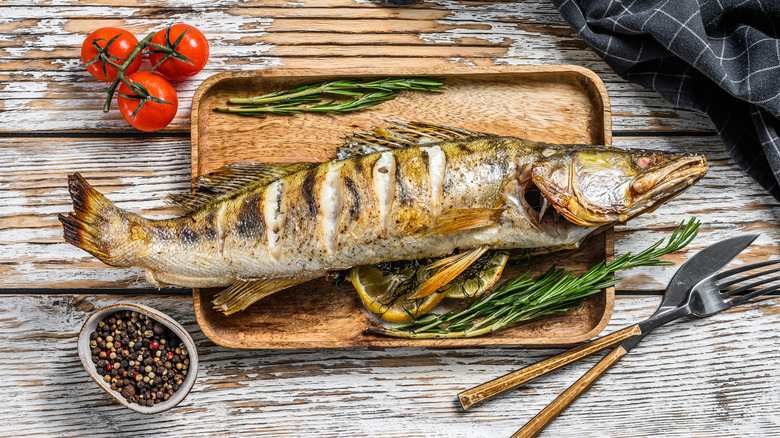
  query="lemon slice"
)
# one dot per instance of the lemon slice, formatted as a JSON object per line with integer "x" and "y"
{"x": 477, "y": 278}
{"x": 386, "y": 295}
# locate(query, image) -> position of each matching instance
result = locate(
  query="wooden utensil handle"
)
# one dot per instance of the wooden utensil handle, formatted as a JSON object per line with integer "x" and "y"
{"x": 490, "y": 389}
{"x": 548, "y": 414}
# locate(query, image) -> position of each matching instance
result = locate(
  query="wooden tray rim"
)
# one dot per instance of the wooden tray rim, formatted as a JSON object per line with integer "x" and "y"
{"x": 592, "y": 80}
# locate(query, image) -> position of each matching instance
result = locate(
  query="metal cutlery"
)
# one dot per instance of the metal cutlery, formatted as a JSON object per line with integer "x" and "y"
{"x": 707, "y": 298}
{"x": 704, "y": 263}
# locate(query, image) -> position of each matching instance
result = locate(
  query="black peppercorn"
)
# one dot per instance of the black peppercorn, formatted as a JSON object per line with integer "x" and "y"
{"x": 128, "y": 392}
{"x": 143, "y": 355}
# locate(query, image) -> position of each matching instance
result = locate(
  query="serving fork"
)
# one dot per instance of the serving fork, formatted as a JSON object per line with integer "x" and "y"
{"x": 706, "y": 262}
{"x": 708, "y": 297}
{"x": 713, "y": 294}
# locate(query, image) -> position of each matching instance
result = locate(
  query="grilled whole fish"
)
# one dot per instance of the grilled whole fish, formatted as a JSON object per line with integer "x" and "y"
{"x": 260, "y": 228}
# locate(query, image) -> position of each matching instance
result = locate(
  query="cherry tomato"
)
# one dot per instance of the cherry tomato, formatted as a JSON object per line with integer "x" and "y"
{"x": 118, "y": 52}
{"x": 152, "y": 115}
{"x": 192, "y": 46}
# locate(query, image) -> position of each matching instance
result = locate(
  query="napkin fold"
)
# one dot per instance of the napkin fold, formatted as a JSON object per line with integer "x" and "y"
{"x": 720, "y": 57}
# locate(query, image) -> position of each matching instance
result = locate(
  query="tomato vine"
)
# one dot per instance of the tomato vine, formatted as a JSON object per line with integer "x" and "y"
{"x": 114, "y": 55}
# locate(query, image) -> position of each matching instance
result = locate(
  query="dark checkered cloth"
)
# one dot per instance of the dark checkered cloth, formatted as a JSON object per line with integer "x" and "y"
{"x": 721, "y": 57}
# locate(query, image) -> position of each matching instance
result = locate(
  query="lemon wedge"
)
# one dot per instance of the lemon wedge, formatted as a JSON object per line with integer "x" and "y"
{"x": 386, "y": 295}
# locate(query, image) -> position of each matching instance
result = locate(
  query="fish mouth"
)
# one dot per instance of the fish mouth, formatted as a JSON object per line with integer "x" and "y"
{"x": 643, "y": 194}
{"x": 653, "y": 189}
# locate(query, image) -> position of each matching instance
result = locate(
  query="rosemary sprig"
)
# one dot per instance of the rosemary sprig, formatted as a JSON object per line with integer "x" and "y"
{"x": 308, "y": 98}
{"x": 523, "y": 297}
{"x": 356, "y": 104}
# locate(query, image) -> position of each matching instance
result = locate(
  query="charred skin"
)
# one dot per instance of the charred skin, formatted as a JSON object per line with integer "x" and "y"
{"x": 385, "y": 206}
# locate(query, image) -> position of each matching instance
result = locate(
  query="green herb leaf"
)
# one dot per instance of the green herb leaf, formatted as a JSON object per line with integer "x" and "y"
{"x": 365, "y": 94}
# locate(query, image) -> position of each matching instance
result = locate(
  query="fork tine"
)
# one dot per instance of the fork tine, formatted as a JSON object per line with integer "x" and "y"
{"x": 736, "y": 301}
{"x": 748, "y": 277}
{"x": 741, "y": 269}
{"x": 741, "y": 289}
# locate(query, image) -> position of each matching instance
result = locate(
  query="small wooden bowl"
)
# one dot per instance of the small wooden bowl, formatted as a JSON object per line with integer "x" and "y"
{"x": 85, "y": 354}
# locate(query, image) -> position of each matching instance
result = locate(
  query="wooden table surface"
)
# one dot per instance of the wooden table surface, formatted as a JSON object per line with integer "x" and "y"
{"x": 710, "y": 377}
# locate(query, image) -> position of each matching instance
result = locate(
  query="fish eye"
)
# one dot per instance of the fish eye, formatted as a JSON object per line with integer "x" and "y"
{"x": 645, "y": 161}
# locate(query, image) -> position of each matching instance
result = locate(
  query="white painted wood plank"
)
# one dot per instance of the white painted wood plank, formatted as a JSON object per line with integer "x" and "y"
{"x": 709, "y": 377}
{"x": 44, "y": 87}
{"x": 691, "y": 379}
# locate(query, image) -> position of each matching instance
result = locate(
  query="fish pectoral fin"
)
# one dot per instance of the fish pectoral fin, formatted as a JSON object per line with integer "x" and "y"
{"x": 454, "y": 221}
{"x": 243, "y": 293}
{"x": 399, "y": 134}
{"x": 450, "y": 268}
{"x": 231, "y": 179}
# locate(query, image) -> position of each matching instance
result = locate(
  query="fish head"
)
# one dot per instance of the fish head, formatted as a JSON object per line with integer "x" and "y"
{"x": 595, "y": 186}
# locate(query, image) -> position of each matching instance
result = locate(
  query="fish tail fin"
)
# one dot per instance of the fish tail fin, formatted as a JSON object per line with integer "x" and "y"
{"x": 95, "y": 225}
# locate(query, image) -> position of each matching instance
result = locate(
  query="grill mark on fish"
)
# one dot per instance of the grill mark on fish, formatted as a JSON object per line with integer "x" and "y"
{"x": 307, "y": 190}
{"x": 354, "y": 209}
{"x": 187, "y": 235}
{"x": 464, "y": 147}
{"x": 163, "y": 232}
{"x": 208, "y": 231}
{"x": 358, "y": 165}
{"x": 403, "y": 194}
{"x": 250, "y": 221}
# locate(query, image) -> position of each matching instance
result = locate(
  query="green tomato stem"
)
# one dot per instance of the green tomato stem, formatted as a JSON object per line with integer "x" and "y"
{"x": 120, "y": 70}
{"x": 159, "y": 47}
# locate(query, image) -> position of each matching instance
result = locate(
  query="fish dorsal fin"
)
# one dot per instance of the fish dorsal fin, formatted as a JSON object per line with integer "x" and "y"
{"x": 232, "y": 179}
{"x": 400, "y": 135}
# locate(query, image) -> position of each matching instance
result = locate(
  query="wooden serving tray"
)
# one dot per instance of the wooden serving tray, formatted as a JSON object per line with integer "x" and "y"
{"x": 559, "y": 104}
